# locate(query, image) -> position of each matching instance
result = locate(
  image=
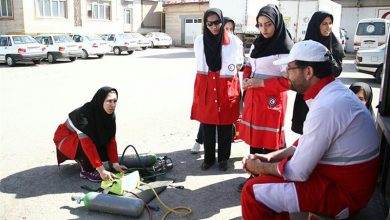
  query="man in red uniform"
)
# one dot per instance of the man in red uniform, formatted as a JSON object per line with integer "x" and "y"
{"x": 333, "y": 169}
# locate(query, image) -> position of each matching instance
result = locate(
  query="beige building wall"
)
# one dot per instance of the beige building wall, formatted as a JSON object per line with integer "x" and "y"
{"x": 175, "y": 15}
{"x": 26, "y": 20}
{"x": 34, "y": 24}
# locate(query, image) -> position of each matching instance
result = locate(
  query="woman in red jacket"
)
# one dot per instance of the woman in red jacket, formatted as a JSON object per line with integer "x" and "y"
{"x": 217, "y": 88}
{"x": 88, "y": 136}
{"x": 262, "y": 123}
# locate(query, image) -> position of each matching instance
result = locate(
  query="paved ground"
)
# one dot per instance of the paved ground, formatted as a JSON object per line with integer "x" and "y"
{"x": 155, "y": 93}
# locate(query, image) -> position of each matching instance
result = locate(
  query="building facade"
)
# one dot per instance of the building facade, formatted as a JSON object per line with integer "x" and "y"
{"x": 183, "y": 20}
{"x": 75, "y": 16}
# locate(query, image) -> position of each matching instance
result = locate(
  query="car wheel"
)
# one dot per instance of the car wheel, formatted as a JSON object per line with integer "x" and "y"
{"x": 130, "y": 51}
{"x": 168, "y": 46}
{"x": 100, "y": 55}
{"x": 117, "y": 50}
{"x": 84, "y": 54}
{"x": 10, "y": 61}
{"x": 36, "y": 61}
{"x": 51, "y": 58}
{"x": 72, "y": 58}
{"x": 379, "y": 74}
{"x": 152, "y": 44}
{"x": 143, "y": 48}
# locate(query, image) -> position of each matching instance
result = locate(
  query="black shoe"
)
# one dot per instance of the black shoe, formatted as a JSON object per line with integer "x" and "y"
{"x": 223, "y": 165}
{"x": 241, "y": 185}
{"x": 206, "y": 166}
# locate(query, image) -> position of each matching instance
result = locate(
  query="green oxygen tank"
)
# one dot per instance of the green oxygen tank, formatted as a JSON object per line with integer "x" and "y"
{"x": 132, "y": 161}
{"x": 113, "y": 204}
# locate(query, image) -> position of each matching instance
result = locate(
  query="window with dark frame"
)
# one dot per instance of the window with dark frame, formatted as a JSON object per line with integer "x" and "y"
{"x": 99, "y": 9}
{"x": 51, "y": 8}
{"x": 6, "y": 8}
{"x": 127, "y": 16}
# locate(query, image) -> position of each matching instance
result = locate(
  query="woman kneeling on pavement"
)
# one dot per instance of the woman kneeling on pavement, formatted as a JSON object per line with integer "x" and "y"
{"x": 88, "y": 136}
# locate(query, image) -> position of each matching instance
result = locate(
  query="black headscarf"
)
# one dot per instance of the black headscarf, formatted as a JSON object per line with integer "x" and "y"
{"x": 212, "y": 43}
{"x": 357, "y": 86}
{"x": 280, "y": 42}
{"x": 313, "y": 33}
{"x": 92, "y": 119}
{"x": 228, "y": 19}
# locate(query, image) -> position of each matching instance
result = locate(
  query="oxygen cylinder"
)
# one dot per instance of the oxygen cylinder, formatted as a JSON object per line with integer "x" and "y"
{"x": 121, "y": 205}
{"x": 131, "y": 161}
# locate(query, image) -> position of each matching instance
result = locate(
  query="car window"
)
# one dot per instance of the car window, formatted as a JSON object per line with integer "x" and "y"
{"x": 93, "y": 37}
{"x": 78, "y": 38}
{"x": 111, "y": 37}
{"x": 45, "y": 40}
{"x": 23, "y": 40}
{"x": 371, "y": 28}
{"x": 62, "y": 38}
{"x": 124, "y": 36}
{"x": 3, "y": 41}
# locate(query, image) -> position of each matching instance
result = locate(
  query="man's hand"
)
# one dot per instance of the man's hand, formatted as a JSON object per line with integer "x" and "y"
{"x": 260, "y": 164}
{"x": 253, "y": 167}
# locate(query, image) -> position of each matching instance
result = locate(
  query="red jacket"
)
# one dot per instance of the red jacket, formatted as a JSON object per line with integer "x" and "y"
{"x": 67, "y": 140}
{"x": 262, "y": 124}
{"x": 217, "y": 94}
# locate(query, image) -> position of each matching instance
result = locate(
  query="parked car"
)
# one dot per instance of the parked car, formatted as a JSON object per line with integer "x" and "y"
{"x": 142, "y": 41}
{"x": 343, "y": 39}
{"x": 91, "y": 44}
{"x": 121, "y": 42}
{"x": 159, "y": 39}
{"x": 371, "y": 33}
{"x": 15, "y": 48}
{"x": 371, "y": 61}
{"x": 59, "y": 46}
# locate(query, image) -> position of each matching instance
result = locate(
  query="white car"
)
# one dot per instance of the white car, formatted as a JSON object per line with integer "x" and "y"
{"x": 143, "y": 42}
{"x": 15, "y": 48}
{"x": 159, "y": 39}
{"x": 59, "y": 46}
{"x": 121, "y": 42}
{"x": 91, "y": 44}
{"x": 371, "y": 61}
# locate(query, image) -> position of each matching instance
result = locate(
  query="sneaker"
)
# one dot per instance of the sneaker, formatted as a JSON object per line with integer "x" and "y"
{"x": 93, "y": 176}
{"x": 195, "y": 149}
{"x": 223, "y": 165}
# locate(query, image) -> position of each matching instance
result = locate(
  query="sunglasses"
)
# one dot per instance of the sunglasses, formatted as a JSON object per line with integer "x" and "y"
{"x": 211, "y": 23}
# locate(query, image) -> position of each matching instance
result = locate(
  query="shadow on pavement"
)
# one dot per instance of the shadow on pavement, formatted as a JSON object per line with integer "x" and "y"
{"x": 205, "y": 201}
{"x": 45, "y": 180}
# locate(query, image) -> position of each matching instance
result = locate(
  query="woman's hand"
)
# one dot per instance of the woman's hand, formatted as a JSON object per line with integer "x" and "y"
{"x": 104, "y": 174}
{"x": 119, "y": 168}
{"x": 248, "y": 83}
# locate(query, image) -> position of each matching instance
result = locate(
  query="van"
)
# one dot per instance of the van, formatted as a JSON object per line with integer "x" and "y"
{"x": 371, "y": 33}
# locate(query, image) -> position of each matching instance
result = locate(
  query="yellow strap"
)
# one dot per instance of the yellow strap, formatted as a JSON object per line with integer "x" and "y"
{"x": 170, "y": 210}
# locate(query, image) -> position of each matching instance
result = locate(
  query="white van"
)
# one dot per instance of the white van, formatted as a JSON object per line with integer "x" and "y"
{"x": 371, "y": 33}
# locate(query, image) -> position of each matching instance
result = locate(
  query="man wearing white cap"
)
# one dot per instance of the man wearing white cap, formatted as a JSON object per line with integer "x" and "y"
{"x": 333, "y": 169}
